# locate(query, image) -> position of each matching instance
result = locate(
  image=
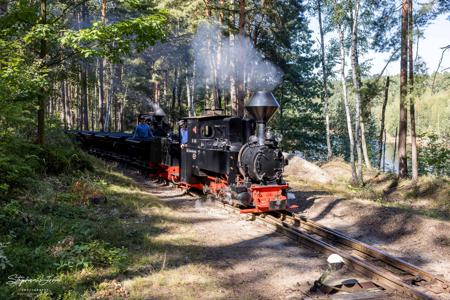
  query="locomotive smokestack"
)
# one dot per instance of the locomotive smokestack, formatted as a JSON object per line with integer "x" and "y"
{"x": 158, "y": 112}
{"x": 262, "y": 106}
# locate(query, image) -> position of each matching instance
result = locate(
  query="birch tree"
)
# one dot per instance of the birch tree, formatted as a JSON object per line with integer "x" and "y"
{"x": 357, "y": 85}
{"x": 325, "y": 99}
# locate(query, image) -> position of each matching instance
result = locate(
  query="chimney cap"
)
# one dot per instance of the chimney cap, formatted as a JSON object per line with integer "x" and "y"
{"x": 262, "y": 106}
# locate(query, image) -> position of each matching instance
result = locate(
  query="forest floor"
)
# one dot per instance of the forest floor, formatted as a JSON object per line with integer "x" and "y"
{"x": 224, "y": 256}
{"x": 409, "y": 220}
{"x": 113, "y": 234}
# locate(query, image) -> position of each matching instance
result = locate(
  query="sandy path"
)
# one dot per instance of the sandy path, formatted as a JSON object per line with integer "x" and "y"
{"x": 247, "y": 259}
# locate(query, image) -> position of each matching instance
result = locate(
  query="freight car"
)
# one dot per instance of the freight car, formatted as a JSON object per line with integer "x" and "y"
{"x": 235, "y": 159}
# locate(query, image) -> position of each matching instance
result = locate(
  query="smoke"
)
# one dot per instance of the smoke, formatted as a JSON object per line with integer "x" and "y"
{"x": 220, "y": 59}
{"x": 157, "y": 109}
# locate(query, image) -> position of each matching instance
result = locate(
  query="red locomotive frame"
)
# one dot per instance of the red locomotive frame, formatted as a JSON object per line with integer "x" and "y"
{"x": 265, "y": 197}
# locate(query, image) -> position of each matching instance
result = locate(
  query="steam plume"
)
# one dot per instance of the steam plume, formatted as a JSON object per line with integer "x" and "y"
{"x": 218, "y": 59}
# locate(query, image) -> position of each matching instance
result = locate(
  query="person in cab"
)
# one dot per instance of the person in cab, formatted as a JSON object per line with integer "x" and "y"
{"x": 142, "y": 130}
{"x": 183, "y": 134}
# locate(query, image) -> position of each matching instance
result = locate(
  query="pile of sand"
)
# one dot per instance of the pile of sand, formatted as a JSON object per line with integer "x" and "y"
{"x": 305, "y": 170}
{"x": 338, "y": 169}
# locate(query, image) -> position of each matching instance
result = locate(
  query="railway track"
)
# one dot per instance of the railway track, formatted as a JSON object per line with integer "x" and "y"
{"x": 384, "y": 270}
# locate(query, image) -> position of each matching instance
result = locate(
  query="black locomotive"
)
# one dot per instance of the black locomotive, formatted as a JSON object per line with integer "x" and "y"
{"x": 236, "y": 159}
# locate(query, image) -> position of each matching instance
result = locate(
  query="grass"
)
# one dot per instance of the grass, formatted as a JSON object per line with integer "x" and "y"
{"x": 184, "y": 282}
{"x": 58, "y": 243}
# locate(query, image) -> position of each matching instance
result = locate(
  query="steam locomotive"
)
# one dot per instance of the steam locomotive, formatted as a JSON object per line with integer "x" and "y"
{"x": 235, "y": 159}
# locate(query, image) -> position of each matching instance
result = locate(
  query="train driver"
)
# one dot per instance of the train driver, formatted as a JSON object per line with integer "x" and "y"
{"x": 183, "y": 133}
{"x": 142, "y": 130}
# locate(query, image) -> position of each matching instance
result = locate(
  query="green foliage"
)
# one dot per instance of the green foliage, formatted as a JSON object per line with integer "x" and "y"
{"x": 434, "y": 156}
{"x": 91, "y": 254}
{"x": 4, "y": 261}
{"x": 48, "y": 233}
{"x": 21, "y": 161}
{"x": 286, "y": 41}
{"x": 432, "y": 108}
{"x": 32, "y": 53}
{"x": 117, "y": 39}
{"x": 432, "y": 117}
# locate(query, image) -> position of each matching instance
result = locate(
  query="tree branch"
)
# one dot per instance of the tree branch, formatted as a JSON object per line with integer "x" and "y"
{"x": 66, "y": 10}
{"x": 386, "y": 65}
{"x": 438, "y": 67}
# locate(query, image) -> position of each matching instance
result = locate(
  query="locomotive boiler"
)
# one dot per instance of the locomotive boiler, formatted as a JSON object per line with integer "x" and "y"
{"x": 235, "y": 159}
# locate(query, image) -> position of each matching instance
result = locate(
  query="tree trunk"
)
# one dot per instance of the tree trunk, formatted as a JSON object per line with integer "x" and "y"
{"x": 324, "y": 83}
{"x": 84, "y": 111}
{"x": 165, "y": 84}
{"x": 122, "y": 109}
{"x": 112, "y": 89}
{"x": 383, "y": 114}
{"x": 412, "y": 111}
{"x": 80, "y": 105}
{"x": 240, "y": 97}
{"x": 230, "y": 61}
{"x": 346, "y": 105}
{"x": 3, "y": 6}
{"x": 179, "y": 94}
{"x": 101, "y": 92}
{"x": 395, "y": 148}
{"x": 64, "y": 103}
{"x": 101, "y": 74}
{"x": 69, "y": 104}
{"x": 241, "y": 16}
{"x": 357, "y": 87}
{"x": 84, "y": 97}
{"x": 364, "y": 145}
{"x": 193, "y": 89}
{"x": 188, "y": 96}
{"x": 207, "y": 9}
{"x": 156, "y": 91}
{"x": 93, "y": 105}
{"x": 233, "y": 88}
{"x": 42, "y": 97}
{"x": 384, "y": 150}
{"x": 174, "y": 94}
{"x": 403, "y": 125}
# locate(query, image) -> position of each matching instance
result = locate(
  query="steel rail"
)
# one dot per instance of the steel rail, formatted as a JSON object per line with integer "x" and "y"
{"x": 378, "y": 275}
{"x": 366, "y": 249}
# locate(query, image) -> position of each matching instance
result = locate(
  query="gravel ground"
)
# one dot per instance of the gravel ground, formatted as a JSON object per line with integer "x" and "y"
{"x": 247, "y": 259}
{"x": 422, "y": 241}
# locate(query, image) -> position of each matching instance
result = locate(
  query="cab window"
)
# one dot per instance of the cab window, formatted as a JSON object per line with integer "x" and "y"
{"x": 207, "y": 131}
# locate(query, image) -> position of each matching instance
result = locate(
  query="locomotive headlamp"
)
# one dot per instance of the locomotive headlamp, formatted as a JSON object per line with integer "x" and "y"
{"x": 278, "y": 137}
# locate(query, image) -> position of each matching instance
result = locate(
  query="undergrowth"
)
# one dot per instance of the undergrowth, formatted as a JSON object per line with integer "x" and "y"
{"x": 67, "y": 221}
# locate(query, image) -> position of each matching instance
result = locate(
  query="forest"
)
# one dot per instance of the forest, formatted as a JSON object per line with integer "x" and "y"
{"x": 96, "y": 65}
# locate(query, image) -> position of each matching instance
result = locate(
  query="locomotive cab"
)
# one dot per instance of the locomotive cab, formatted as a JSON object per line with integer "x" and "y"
{"x": 213, "y": 147}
